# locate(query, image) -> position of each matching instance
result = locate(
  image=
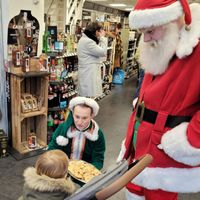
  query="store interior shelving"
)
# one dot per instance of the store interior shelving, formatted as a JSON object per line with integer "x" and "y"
{"x": 28, "y": 115}
{"x": 50, "y": 77}
{"x": 132, "y": 68}
{"x": 62, "y": 88}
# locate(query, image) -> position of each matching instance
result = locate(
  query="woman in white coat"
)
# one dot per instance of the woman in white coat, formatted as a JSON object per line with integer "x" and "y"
{"x": 91, "y": 47}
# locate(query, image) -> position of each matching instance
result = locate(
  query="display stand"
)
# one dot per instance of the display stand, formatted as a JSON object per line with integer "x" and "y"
{"x": 35, "y": 83}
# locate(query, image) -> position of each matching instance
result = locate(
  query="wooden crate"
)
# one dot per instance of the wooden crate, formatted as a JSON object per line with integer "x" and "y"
{"x": 22, "y": 123}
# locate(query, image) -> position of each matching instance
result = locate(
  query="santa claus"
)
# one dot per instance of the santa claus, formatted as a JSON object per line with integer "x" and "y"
{"x": 166, "y": 120}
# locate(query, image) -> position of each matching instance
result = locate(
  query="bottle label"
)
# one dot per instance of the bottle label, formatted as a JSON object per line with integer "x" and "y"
{"x": 32, "y": 142}
{"x": 50, "y": 123}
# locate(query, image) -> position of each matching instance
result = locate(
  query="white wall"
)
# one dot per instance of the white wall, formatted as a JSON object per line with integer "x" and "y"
{"x": 3, "y": 100}
{"x": 56, "y": 11}
{"x": 9, "y": 9}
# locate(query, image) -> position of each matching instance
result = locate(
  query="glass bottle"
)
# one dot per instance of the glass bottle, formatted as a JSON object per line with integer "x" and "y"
{"x": 32, "y": 140}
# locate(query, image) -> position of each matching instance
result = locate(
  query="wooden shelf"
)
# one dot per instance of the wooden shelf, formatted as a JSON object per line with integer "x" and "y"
{"x": 54, "y": 109}
{"x": 34, "y": 83}
{"x": 34, "y": 113}
{"x": 31, "y": 74}
{"x": 24, "y": 146}
{"x": 61, "y": 54}
{"x": 130, "y": 58}
{"x": 22, "y": 155}
{"x": 56, "y": 82}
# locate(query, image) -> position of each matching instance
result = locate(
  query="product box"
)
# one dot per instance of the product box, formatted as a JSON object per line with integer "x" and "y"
{"x": 3, "y": 144}
{"x": 34, "y": 65}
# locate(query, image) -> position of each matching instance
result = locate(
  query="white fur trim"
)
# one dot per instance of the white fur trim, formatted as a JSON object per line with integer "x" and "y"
{"x": 170, "y": 179}
{"x": 175, "y": 144}
{"x": 47, "y": 184}
{"x": 78, "y": 146}
{"x": 155, "y": 17}
{"x": 135, "y": 102}
{"x": 62, "y": 141}
{"x": 132, "y": 196}
{"x": 122, "y": 152}
{"x": 84, "y": 100}
{"x": 93, "y": 137}
{"x": 72, "y": 134}
{"x": 189, "y": 39}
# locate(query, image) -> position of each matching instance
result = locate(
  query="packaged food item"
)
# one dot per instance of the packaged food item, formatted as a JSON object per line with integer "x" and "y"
{"x": 32, "y": 140}
{"x": 16, "y": 57}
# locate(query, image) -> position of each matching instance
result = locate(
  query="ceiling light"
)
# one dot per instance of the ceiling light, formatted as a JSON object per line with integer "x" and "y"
{"x": 117, "y": 5}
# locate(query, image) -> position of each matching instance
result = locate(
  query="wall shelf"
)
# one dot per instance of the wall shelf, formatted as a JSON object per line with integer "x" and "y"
{"x": 33, "y": 113}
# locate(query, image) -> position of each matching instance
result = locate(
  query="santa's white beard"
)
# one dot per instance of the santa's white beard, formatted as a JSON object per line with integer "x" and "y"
{"x": 155, "y": 56}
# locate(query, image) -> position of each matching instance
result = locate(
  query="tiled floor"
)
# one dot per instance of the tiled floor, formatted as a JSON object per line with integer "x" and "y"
{"x": 113, "y": 117}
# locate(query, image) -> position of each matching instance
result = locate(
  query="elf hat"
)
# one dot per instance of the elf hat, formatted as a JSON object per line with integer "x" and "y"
{"x": 87, "y": 101}
{"x": 147, "y": 13}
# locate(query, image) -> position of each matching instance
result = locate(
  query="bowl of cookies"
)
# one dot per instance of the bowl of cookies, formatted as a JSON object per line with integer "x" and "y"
{"x": 82, "y": 171}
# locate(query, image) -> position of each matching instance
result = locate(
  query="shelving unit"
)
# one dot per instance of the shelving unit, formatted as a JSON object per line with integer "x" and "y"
{"x": 60, "y": 90}
{"x": 35, "y": 83}
{"x": 130, "y": 65}
{"x": 131, "y": 68}
{"x": 108, "y": 61}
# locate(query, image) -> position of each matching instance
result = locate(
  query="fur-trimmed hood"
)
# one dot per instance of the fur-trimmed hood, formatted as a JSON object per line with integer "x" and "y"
{"x": 46, "y": 184}
{"x": 190, "y": 39}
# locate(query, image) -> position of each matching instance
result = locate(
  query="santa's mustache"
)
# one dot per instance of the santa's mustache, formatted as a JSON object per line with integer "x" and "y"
{"x": 155, "y": 55}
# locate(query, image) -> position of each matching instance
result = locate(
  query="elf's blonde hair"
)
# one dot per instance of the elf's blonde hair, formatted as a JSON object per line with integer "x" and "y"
{"x": 53, "y": 163}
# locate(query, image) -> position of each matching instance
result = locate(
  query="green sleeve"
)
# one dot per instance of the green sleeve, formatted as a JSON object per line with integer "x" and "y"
{"x": 60, "y": 131}
{"x": 53, "y": 144}
{"x": 99, "y": 151}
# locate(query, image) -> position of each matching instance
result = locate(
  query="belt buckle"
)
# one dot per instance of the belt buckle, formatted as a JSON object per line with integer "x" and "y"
{"x": 140, "y": 111}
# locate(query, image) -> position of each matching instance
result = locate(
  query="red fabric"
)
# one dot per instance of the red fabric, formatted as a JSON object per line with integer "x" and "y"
{"x": 176, "y": 92}
{"x": 193, "y": 131}
{"x": 187, "y": 12}
{"x": 135, "y": 189}
{"x": 143, "y": 4}
{"x": 152, "y": 194}
{"x": 159, "y": 195}
{"x": 156, "y": 4}
{"x": 129, "y": 133}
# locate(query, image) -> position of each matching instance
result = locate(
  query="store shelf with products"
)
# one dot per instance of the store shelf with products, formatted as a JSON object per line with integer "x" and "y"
{"x": 62, "y": 88}
{"x": 28, "y": 79}
{"x": 29, "y": 95}
{"x": 106, "y": 77}
{"x": 107, "y": 69}
{"x": 132, "y": 68}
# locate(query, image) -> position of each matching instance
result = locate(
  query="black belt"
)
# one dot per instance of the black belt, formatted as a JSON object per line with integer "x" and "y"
{"x": 145, "y": 114}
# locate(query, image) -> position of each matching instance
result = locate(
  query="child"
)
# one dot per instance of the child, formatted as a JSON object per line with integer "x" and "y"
{"x": 80, "y": 137}
{"x": 48, "y": 180}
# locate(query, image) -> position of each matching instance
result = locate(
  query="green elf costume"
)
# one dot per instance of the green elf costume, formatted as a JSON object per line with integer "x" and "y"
{"x": 87, "y": 144}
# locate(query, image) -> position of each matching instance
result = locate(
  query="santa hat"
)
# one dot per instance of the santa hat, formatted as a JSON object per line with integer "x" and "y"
{"x": 147, "y": 13}
{"x": 84, "y": 100}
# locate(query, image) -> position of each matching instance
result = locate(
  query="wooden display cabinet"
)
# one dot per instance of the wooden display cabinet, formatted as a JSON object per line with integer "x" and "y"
{"x": 34, "y": 83}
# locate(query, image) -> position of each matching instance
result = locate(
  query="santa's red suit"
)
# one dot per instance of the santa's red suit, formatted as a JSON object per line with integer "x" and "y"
{"x": 169, "y": 130}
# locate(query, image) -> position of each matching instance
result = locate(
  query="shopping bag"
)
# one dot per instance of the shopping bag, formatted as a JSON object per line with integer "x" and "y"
{"x": 118, "y": 76}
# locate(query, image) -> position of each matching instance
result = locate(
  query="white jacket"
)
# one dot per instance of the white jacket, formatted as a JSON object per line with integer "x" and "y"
{"x": 89, "y": 70}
